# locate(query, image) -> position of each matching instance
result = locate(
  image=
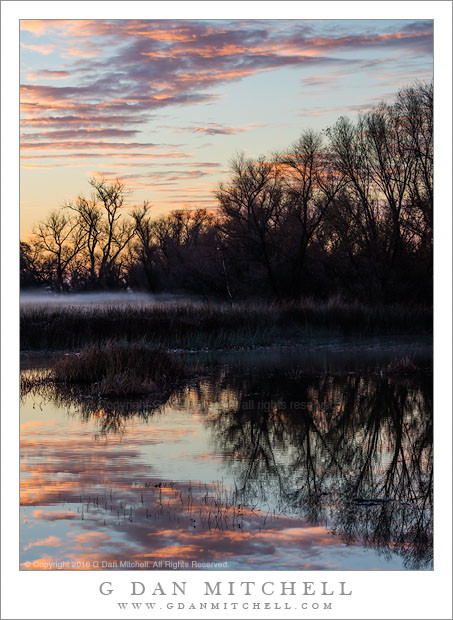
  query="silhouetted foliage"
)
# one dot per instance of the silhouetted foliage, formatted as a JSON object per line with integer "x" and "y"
{"x": 346, "y": 213}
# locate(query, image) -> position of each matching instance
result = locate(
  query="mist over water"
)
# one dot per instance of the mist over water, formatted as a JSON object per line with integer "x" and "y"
{"x": 43, "y": 298}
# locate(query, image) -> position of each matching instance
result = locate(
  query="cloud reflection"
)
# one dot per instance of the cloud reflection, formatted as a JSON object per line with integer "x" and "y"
{"x": 305, "y": 489}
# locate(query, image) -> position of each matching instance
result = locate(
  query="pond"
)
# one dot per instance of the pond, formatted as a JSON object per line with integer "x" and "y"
{"x": 268, "y": 460}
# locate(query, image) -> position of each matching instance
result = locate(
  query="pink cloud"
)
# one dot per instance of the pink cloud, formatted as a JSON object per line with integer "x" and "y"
{"x": 213, "y": 129}
{"x": 79, "y": 133}
{"x": 85, "y": 144}
{"x": 46, "y": 74}
{"x": 50, "y": 541}
{"x": 83, "y": 120}
{"x": 117, "y": 154}
{"x": 40, "y": 49}
{"x": 148, "y": 64}
{"x": 105, "y": 81}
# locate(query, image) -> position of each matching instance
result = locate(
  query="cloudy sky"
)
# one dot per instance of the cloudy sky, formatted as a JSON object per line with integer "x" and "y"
{"x": 164, "y": 105}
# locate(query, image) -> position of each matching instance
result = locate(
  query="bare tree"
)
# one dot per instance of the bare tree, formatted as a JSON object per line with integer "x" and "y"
{"x": 357, "y": 216}
{"x": 145, "y": 248}
{"x": 350, "y": 215}
{"x": 384, "y": 211}
{"x": 251, "y": 207}
{"x": 310, "y": 185}
{"x": 106, "y": 231}
{"x": 414, "y": 106}
{"x": 35, "y": 269}
{"x": 60, "y": 238}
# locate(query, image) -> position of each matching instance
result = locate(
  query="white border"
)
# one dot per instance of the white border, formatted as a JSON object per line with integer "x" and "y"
{"x": 375, "y": 594}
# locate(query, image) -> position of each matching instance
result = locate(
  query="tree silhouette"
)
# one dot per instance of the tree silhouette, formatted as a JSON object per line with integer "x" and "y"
{"x": 105, "y": 230}
{"x": 347, "y": 212}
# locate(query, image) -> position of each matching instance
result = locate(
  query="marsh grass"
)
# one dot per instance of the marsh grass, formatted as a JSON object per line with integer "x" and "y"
{"x": 214, "y": 326}
{"x": 116, "y": 369}
{"x": 112, "y": 369}
{"x": 34, "y": 382}
{"x": 402, "y": 366}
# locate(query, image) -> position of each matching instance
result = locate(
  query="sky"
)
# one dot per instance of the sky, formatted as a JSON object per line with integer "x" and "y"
{"x": 165, "y": 105}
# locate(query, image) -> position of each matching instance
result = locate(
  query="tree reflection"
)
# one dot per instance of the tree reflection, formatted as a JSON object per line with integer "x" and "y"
{"x": 350, "y": 452}
{"x": 354, "y": 452}
{"x": 110, "y": 416}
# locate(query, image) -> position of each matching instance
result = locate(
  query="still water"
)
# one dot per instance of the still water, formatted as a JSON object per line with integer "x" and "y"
{"x": 289, "y": 460}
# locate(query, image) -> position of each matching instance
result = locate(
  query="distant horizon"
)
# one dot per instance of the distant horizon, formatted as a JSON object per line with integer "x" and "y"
{"x": 164, "y": 105}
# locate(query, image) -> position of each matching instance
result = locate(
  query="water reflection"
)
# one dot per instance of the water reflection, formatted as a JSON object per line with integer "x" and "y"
{"x": 353, "y": 451}
{"x": 265, "y": 468}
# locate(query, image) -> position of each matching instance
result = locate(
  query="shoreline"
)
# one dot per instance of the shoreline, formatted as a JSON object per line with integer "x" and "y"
{"x": 331, "y": 344}
{"x": 215, "y": 327}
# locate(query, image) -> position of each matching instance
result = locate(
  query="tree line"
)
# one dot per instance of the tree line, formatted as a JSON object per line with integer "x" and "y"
{"x": 347, "y": 211}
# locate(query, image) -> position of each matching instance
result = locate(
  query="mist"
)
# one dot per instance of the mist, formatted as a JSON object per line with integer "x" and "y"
{"x": 43, "y": 298}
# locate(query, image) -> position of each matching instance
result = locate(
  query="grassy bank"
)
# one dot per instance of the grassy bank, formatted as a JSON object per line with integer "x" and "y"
{"x": 214, "y": 326}
{"x": 111, "y": 370}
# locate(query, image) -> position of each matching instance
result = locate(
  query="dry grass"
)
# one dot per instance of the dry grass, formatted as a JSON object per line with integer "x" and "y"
{"x": 402, "y": 366}
{"x": 215, "y": 326}
{"x": 119, "y": 369}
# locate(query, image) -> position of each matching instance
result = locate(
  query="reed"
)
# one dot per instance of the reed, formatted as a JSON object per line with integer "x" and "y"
{"x": 215, "y": 326}
{"x": 116, "y": 369}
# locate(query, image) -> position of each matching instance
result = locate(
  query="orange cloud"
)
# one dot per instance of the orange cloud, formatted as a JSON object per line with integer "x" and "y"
{"x": 47, "y": 75}
{"x": 40, "y": 49}
{"x": 42, "y": 167}
{"x": 82, "y": 52}
{"x": 37, "y": 26}
{"x": 50, "y": 541}
{"x": 54, "y": 516}
{"x": 180, "y": 552}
